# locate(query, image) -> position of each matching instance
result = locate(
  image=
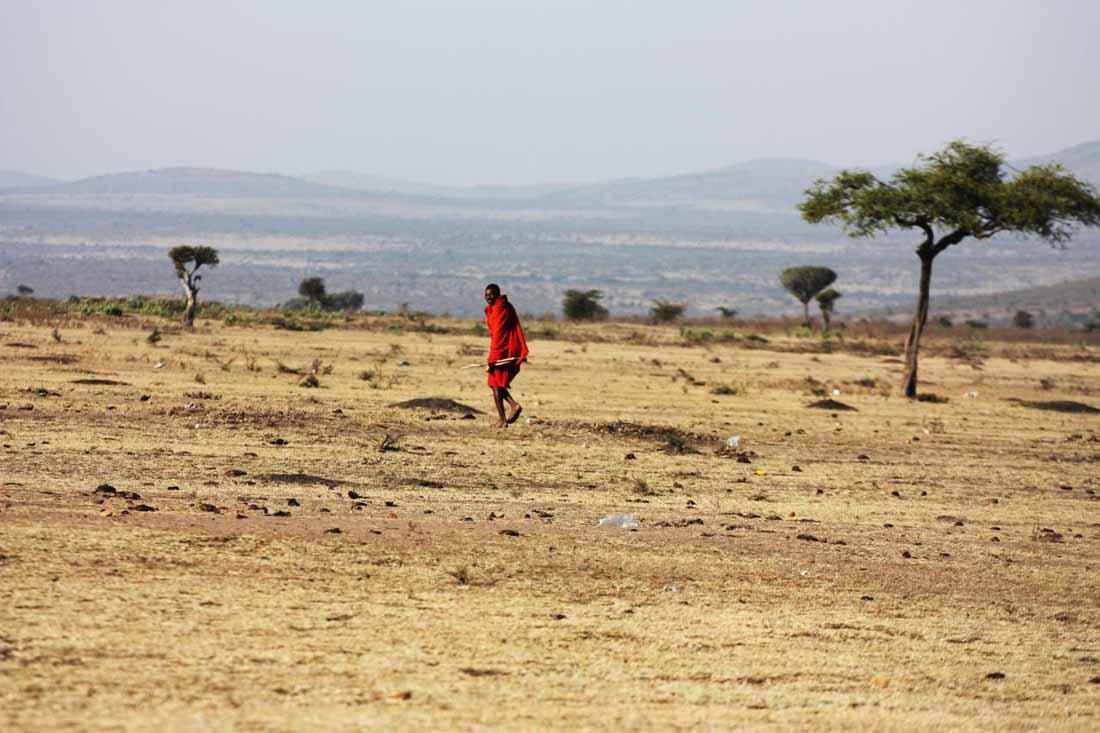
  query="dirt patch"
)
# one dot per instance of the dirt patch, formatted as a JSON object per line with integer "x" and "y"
{"x": 1058, "y": 406}
{"x": 20, "y": 345}
{"x": 301, "y": 479}
{"x": 832, "y": 405}
{"x": 436, "y": 404}
{"x": 672, "y": 440}
{"x": 113, "y": 382}
{"x": 263, "y": 418}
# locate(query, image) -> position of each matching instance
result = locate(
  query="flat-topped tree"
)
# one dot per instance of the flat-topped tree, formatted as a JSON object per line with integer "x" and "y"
{"x": 187, "y": 260}
{"x": 804, "y": 283}
{"x": 313, "y": 290}
{"x": 962, "y": 191}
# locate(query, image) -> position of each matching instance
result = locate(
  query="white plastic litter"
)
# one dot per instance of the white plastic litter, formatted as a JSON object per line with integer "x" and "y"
{"x": 619, "y": 520}
{"x": 971, "y": 394}
{"x": 836, "y": 392}
{"x": 734, "y": 441}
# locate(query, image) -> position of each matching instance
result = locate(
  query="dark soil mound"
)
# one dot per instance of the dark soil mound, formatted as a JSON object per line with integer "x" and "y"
{"x": 437, "y": 404}
{"x": 832, "y": 405}
{"x": 300, "y": 478}
{"x": 1058, "y": 406}
{"x": 100, "y": 381}
{"x": 56, "y": 358}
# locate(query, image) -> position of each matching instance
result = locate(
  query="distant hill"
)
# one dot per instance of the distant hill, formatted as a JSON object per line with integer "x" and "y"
{"x": 379, "y": 184}
{"x": 766, "y": 183}
{"x": 762, "y": 185}
{"x": 198, "y": 181}
{"x": 1083, "y": 160}
{"x": 19, "y": 180}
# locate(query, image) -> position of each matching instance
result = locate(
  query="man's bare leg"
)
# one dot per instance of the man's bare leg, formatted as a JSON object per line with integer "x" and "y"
{"x": 498, "y": 400}
{"x": 517, "y": 408}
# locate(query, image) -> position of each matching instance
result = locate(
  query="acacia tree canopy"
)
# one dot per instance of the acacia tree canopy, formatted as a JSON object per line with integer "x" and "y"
{"x": 185, "y": 254}
{"x": 961, "y": 191}
{"x": 826, "y": 299}
{"x": 806, "y": 281}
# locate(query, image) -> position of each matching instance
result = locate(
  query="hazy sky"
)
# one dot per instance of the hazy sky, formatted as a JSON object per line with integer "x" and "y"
{"x": 523, "y": 91}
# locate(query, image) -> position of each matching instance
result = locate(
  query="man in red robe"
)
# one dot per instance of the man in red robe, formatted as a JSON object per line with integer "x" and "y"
{"x": 507, "y": 344}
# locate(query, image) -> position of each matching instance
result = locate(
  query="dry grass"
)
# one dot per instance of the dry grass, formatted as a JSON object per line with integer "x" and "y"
{"x": 875, "y": 569}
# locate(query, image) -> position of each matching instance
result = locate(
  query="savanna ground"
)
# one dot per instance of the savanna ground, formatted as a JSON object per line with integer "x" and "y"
{"x": 194, "y": 540}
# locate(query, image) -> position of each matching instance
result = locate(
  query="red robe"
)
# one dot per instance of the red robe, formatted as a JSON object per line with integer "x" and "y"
{"x": 505, "y": 341}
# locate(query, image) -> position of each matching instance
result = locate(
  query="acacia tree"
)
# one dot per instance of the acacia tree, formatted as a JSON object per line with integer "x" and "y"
{"x": 959, "y": 192}
{"x": 805, "y": 282}
{"x": 187, "y": 260}
{"x": 826, "y": 301}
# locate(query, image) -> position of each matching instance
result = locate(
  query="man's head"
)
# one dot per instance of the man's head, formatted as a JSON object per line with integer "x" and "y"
{"x": 492, "y": 292}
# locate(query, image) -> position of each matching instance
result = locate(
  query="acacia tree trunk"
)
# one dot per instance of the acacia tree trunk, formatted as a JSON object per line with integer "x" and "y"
{"x": 805, "y": 313}
{"x": 826, "y": 317}
{"x": 912, "y": 343}
{"x": 191, "y": 292}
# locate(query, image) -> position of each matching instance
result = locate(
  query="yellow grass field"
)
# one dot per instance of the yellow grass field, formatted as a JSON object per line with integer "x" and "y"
{"x": 193, "y": 541}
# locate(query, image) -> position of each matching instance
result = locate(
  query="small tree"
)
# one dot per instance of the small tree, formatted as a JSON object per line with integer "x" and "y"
{"x": 826, "y": 301}
{"x": 313, "y": 290}
{"x": 728, "y": 314}
{"x": 583, "y": 305}
{"x": 187, "y": 260}
{"x": 804, "y": 283}
{"x": 1023, "y": 319}
{"x": 24, "y": 290}
{"x": 962, "y": 191}
{"x": 664, "y": 311}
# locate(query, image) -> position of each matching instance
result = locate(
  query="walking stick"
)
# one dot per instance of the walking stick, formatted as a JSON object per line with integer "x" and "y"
{"x": 509, "y": 360}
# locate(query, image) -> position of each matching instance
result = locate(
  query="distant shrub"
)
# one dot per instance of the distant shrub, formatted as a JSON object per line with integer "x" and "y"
{"x": 664, "y": 311}
{"x": 349, "y": 300}
{"x": 1023, "y": 319}
{"x": 287, "y": 324}
{"x": 727, "y": 314}
{"x": 583, "y": 305}
{"x": 977, "y": 324}
{"x": 697, "y": 335}
{"x": 946, "y": 322}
